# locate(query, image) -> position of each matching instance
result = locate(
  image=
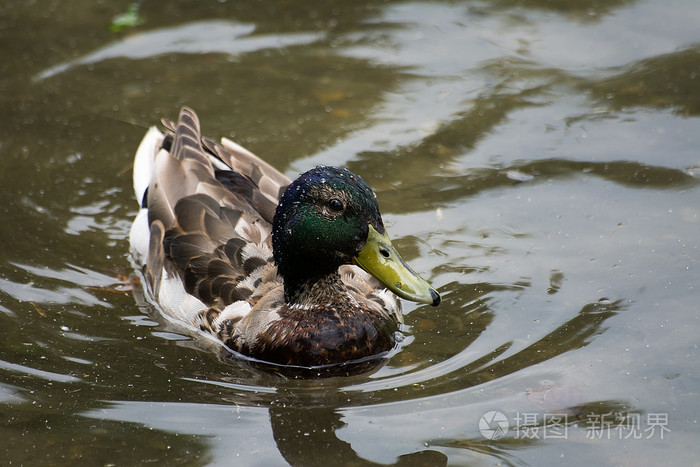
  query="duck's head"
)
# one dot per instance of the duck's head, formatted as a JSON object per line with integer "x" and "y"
{"x": 329, "y": 217}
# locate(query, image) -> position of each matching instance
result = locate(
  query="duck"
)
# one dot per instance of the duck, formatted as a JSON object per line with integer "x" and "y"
{"x": 299, "y": 273}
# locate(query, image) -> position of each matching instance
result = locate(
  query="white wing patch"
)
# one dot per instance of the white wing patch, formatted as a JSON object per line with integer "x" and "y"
{"x": 139, "y": 237}
{"x": 236, "y": 310}
{"x": 253, "y": 277}
{"x": 176, "y": 302}
{"x": 253, "y": 250}
{"x": 144, "y": 161}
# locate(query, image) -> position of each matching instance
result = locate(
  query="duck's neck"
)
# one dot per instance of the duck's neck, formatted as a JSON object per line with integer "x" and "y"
{"x": 323, "y": 290}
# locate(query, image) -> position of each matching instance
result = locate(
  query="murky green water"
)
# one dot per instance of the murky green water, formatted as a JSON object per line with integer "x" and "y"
{"x": 537, "y": 161}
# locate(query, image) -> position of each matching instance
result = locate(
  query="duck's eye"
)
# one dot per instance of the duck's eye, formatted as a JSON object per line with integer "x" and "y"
{"x": 336, "y": 205}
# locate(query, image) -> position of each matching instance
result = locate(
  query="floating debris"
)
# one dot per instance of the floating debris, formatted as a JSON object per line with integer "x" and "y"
{"x": 693, "y": 171}
{"x": 38, "y": 309}
{"x": 129, "y": 19}
{"x": 519, "y": 176}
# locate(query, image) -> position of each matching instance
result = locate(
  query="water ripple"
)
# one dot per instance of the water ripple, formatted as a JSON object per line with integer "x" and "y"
{"x": 46, "y": 375}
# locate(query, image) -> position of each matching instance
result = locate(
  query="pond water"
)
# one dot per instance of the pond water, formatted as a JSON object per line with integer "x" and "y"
{"x": 537, "y": 161}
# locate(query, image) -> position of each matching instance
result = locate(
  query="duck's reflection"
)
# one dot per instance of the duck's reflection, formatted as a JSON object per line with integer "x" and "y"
{"x": 307, "y": 437}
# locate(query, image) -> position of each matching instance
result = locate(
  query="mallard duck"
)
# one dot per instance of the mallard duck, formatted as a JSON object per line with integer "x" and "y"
{"x": 291, "y": 273}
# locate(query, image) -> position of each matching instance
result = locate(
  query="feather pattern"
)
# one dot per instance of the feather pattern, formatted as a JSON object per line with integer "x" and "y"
{"x": 208, "y": 210}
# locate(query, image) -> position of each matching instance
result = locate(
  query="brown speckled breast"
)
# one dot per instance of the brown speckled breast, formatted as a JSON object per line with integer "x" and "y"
{"x": 323, "y": 336}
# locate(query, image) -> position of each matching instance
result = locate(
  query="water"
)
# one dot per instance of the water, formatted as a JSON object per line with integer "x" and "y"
{"x": 536, "y": 161}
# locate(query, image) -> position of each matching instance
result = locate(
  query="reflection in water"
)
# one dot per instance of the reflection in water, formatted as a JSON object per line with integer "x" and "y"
{"x": 666, "y": 81}
{"x": 299, "y": 431}
{"x": 222, "y": 37}
{"x": 61, "y": 440}
{"x": 419, "y": 164}
{"x": 584, "y": 10}
{"x": 452, "y": 188}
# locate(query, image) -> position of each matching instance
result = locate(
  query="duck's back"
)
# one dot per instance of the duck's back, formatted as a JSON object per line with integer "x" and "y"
{"x": 202, "y": 237}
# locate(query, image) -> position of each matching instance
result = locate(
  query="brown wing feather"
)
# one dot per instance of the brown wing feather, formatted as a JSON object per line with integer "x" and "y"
{"x": 154, "y": 264}
{"x": 216, "y": 234}
{"x": 259, "y": 183}
{"x": 269, "y": 183}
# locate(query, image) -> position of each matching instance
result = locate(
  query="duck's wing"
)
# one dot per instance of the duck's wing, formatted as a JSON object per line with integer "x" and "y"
{"x": 242, "y": 171}
{"x": 209, "y": 213}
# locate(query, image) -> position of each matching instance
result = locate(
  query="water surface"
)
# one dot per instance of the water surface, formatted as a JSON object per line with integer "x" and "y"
{"x": 536, "y": 161}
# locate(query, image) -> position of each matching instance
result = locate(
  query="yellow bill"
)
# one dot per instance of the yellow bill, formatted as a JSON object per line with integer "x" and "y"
{"x": 380, "y": 258}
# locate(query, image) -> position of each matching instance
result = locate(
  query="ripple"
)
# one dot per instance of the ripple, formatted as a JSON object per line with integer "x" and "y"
{"x": 46, "y": 375}
{"x": 198, "y": 37}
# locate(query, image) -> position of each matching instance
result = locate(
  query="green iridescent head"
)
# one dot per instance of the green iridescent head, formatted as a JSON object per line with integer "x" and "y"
{"x": 329, "y": 217}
